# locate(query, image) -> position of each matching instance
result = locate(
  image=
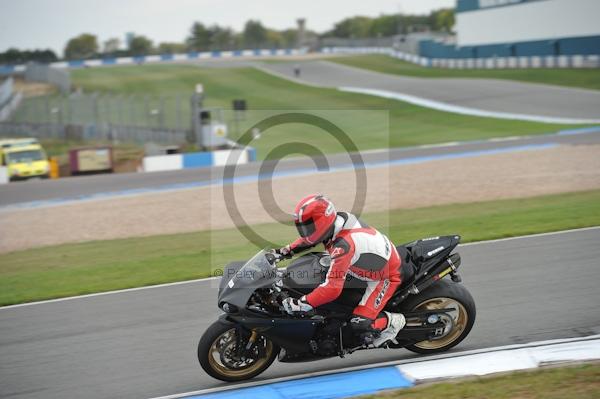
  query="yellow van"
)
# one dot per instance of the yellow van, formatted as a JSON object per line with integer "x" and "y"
{"x": 24, "y": 158}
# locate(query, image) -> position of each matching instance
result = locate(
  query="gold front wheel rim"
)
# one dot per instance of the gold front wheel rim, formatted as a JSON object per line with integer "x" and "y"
{"x": 460, "y": 319}
{"x": 226, "y": 342}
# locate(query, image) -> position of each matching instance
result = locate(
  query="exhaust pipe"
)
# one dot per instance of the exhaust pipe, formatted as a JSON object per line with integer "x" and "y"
{"x": 449, "y": 266}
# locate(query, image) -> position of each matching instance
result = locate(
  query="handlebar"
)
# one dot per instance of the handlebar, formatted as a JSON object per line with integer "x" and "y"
{"x": 271, "y": 257}
{"x": 274, "y": 258}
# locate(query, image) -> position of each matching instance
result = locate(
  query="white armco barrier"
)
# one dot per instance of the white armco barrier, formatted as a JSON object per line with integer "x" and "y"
{"x": 157, "y": 163}
{"x": 225, "y": 157}
{"x": 3, "y": 175}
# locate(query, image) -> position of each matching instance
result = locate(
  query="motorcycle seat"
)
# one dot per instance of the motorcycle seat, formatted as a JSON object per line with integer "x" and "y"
{"x": 428, "y": 252}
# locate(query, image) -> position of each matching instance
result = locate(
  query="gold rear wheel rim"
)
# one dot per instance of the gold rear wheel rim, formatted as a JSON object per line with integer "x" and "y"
{"x": 226, "y": 342}
{"x": 460, "y": 319}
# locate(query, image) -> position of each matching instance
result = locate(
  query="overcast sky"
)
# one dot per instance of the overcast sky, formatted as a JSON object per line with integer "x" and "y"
{"x": 28, "y": 24}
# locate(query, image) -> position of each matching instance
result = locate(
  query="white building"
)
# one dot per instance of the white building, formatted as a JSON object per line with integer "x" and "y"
{"x": 505, "y": 28}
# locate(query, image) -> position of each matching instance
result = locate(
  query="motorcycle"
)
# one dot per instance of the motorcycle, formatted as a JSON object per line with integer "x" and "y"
{"x": 254, "y": 330}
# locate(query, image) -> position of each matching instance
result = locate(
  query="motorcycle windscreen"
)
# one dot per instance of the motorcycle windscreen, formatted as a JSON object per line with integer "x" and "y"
{"x": 241, "y": 279}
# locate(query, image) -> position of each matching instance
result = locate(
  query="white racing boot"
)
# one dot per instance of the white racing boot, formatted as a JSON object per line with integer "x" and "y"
{"x": 396, "y": 322}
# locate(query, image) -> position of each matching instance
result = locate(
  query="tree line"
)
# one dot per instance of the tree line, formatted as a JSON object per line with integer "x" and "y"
{"x": 15, "y": 56}
{"x": 441, "y": 20}
{"x": 203, "y": 37}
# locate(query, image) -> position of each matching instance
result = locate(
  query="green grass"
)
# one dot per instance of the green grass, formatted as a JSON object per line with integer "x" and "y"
{"x": 581, "y": 381}
{"x": 407, "y": 124}
{"x": 588, "y": 78}
{"x": 72, "y": 269}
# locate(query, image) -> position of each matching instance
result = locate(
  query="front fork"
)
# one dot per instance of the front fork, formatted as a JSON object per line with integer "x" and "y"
{"x": 242, "y": 351}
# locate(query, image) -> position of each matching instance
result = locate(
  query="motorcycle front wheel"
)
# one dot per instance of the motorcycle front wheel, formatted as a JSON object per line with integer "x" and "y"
{"x": 220, "y": 357}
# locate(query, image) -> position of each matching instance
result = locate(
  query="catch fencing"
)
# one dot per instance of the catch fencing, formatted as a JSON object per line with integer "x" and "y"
{"x": 46, "y": 74}
{"x": 9, "y": 99}
{"x": 6, "y": 91}
{"x": 94, "y": 133}
{"x": 103, "y": 117}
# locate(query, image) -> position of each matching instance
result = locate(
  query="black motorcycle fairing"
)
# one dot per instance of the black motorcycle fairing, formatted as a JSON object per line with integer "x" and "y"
{"x": 428, "y": 252}
{"x": 241, "y": 279}
{"x": 293, "y": 334}
{"x": 305, "y": 272}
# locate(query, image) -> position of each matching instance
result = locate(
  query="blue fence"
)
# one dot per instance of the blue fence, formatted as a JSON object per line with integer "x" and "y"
{"x": 7, "y": 69}
{"x": 473, "y": 5}
{"x": 76, "y": 64}
{"x": 449, "y": 60}
{"x": 589, "y": 45}
{"x": 10, "y": 69}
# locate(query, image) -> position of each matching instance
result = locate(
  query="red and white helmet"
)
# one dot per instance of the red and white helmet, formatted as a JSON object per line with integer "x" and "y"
{"x": 314, "y": 217}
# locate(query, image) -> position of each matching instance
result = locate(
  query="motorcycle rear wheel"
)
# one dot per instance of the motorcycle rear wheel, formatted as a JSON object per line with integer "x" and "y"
{"x": 217, "y": 354}
{"x": 443, "y": 295}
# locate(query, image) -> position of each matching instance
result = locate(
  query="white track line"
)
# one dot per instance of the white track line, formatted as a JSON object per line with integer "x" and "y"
{"x": 433, "y": 104}
{"x": 382, "y": 364}
{"x": 550, "y": 233}
{"x": 70, "y": 298}
{"x": 457, "y": 109}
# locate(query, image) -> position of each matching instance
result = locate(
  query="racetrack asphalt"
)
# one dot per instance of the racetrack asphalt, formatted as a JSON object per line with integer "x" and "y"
{"x": 485, "y": 94}
{"x": 142, "y": 344}
{"x": 39, "y": 193}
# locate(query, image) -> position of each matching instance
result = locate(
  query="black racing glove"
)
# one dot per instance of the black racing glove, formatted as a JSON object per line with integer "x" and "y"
{"x": 285, "y": 252}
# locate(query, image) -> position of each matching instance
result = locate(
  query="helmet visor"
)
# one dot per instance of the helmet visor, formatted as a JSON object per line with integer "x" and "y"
{"x": 306, "y": 229}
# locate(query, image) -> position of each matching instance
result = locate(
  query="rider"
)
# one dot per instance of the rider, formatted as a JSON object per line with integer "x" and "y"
{"x": 355, "y": 249}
